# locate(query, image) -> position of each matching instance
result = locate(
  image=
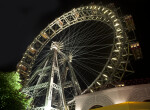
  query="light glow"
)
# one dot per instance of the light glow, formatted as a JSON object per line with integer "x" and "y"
{"x": 119, "y": 36}
{"x": 114, "y": 58}
{"x": 105, "y": 11}
{"x": 110, "y": 13}
{"x": 106, "y": 79}
{"x": 118, "y": 43}
{"x": 115, "y": 20}
{"x": 91, "y": 90}
{"x": 116, "y": 50}
{"x": 117, "y": 24}
{"x": 112, "y": 16}
{"x": 109, "y": 67}
{"x": 118, "y": 30}
{"x": 105, "y": 75}
{"x": 98, "y": 83}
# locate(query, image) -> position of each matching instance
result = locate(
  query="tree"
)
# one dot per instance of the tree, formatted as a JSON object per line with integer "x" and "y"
{"x": 10, "y": 96}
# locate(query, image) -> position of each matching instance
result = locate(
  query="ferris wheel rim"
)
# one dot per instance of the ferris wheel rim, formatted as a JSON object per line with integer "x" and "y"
{"x": 103, "y": 10}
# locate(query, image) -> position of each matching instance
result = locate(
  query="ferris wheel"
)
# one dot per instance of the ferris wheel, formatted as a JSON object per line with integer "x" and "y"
{"x": 79, "y": 52}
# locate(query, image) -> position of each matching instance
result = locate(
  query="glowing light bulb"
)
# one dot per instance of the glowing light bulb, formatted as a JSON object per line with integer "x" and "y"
{"x": 105, "y": 75}
{"x": 98, "y": 83}
{"x": 109, "y": 67}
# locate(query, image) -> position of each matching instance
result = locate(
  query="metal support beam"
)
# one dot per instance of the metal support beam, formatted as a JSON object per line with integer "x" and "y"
{"x": 55, "y": 90}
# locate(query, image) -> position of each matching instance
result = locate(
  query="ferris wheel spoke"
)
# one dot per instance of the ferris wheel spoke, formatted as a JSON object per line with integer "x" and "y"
{"x": 82, "y": 49}
{"x": 91, "y": 58}
{"x": 76, "y": 48}
{"x": 39, "y": 66}
{"x": 86, "y": 68}
{"x": 94, "y": 36}
{"x": 78, "y": 38}
{"x": 93, "y": 63}
{"x": 81, "y": 76}
{"x": 88, "y": 52}
{"x": 81, "y": 29}
{"x": 77, "y": 33}
{"x": 90, "y": 61}
{"x": 70, "y": 92}
{"x": 86, "y": 47}
{"x": 41, "y": 60}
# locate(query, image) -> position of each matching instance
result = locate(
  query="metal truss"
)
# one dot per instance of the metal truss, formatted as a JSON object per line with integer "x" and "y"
{"x": 113, "y": 70}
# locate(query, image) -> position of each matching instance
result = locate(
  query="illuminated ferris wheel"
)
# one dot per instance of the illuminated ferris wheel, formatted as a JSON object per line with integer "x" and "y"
{"x": 81, "y": 51}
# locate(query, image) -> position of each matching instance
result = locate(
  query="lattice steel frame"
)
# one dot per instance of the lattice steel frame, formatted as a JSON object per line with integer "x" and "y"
{"x": 117, "y": 62}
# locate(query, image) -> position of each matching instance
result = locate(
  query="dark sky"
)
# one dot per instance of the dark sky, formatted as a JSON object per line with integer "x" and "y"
{"x": 22, "y": 20}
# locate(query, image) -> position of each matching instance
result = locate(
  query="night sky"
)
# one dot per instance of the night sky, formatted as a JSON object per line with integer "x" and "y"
{"x": 22, "y": 20}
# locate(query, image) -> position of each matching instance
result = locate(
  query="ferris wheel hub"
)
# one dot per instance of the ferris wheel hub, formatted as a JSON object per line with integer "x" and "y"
{"x": 57, "y": 46}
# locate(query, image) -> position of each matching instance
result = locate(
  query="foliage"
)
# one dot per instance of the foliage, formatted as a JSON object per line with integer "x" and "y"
{"x": 10, "y": 96}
